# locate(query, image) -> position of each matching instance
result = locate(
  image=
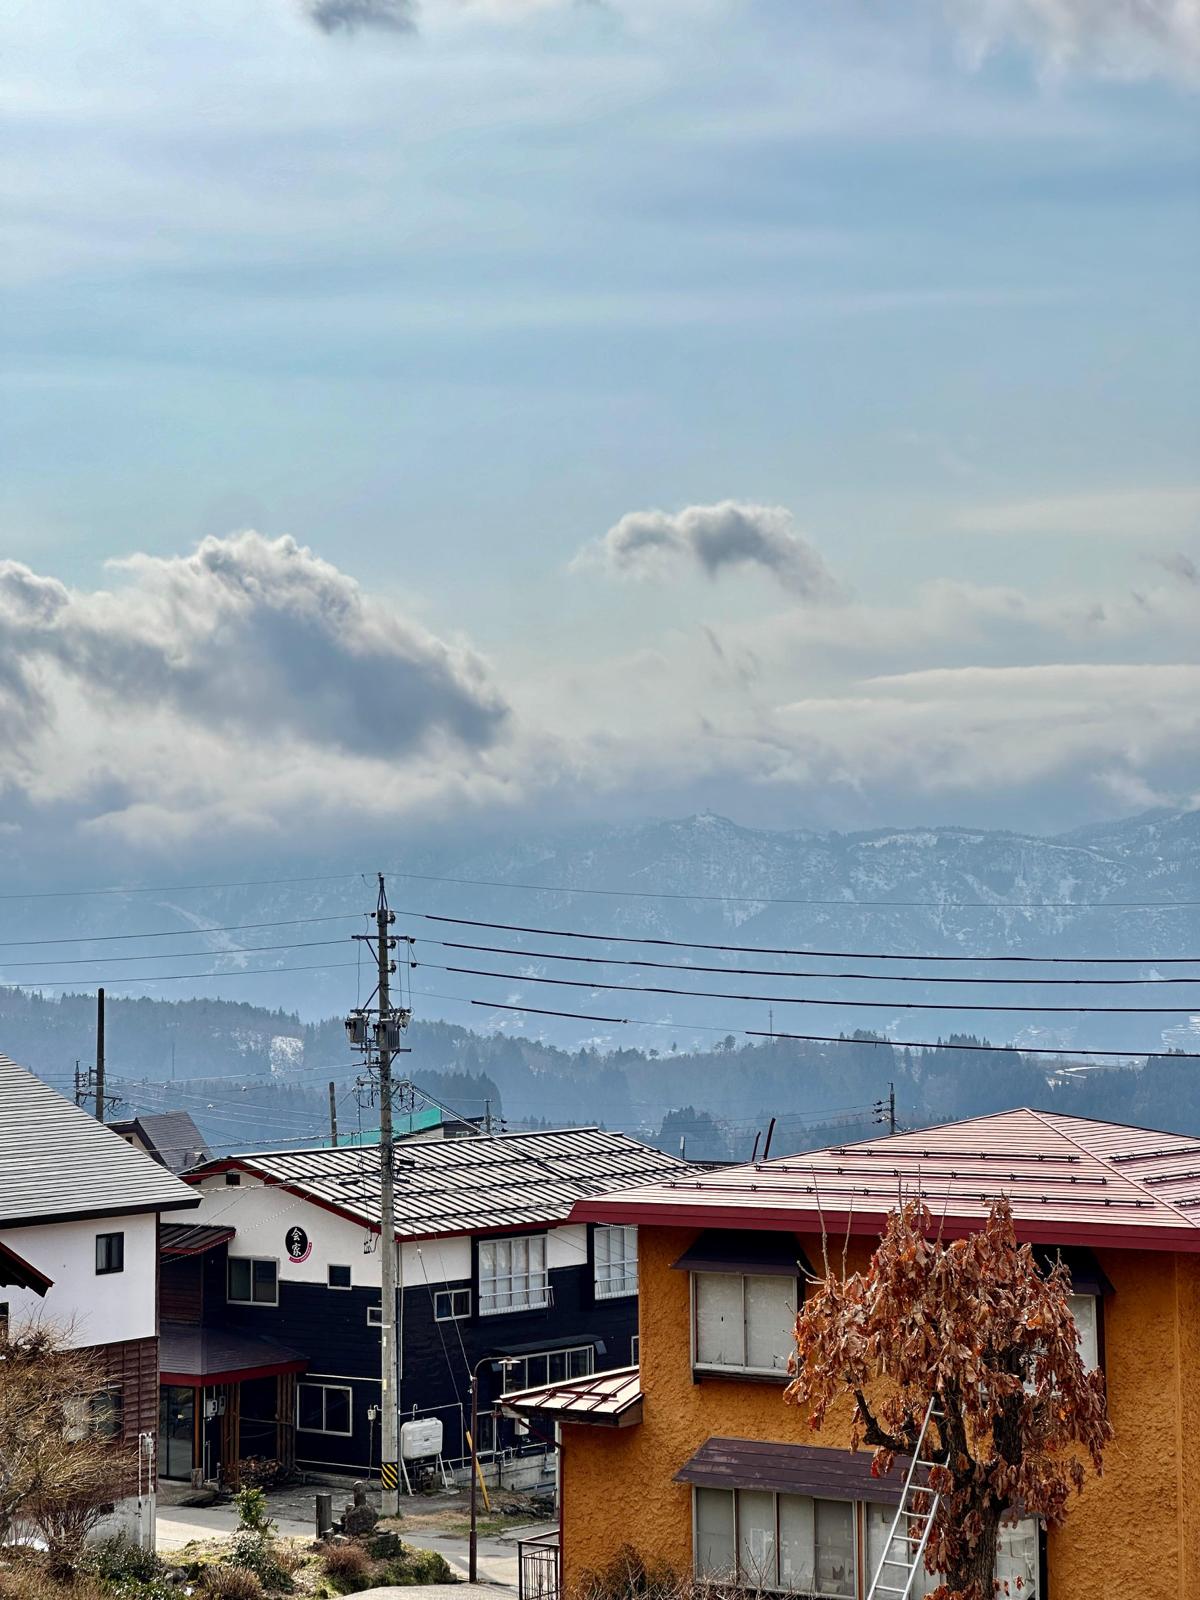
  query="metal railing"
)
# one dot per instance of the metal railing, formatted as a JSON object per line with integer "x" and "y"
{"x": 539, "y": 1567}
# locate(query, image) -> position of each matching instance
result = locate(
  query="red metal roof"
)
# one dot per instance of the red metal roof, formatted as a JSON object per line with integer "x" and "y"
{"x": 612, "y": 1397}
{"x": 1070, "y": 1181}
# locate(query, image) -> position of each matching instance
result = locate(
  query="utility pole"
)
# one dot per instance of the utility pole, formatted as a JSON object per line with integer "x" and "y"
{"x": 333, "y": 1116}
{"x": 885, "y": 1110}
{"x": 78, "y": 1083}
{"x": 388, "y": 1026}
{"x": 99, "y": 1055}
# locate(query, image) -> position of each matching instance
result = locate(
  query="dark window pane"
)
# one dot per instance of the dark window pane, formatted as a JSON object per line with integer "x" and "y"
{"x": 239, "y": 1278}
{"x": 108, "y": 1413}
{"x": 337, "y": 1411}
{"x": 339, "y": 1277}
{"x": 110, "y": 1252}
{"x": 264, "y": 1282}
{"x": 308, "y": 1409}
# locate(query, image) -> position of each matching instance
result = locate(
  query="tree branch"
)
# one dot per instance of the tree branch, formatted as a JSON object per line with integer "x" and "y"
{"x": 873, "y": 1433}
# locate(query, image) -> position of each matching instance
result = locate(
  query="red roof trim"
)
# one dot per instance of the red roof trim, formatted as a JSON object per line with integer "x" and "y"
{"x": 192, "y": 1380}
{"x": 793, "y": 1219}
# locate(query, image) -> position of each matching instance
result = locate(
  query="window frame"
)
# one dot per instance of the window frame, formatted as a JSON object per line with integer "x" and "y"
{"x": 508, "y": 1241}
{"x": 338, "y": 1266}
{"x": 450, "y": 1294}
{"x": 861, "y": 1582}
{"x": 624, "y": 1291}
{"x": 110, "y": 1244}
{"x": 507, "y": 1386}
{"x": 253, "y": 1261}
{"x": 712, "y": 1369}
{"x": 375, "y": 1316}
{"x": 341, "y": 1388}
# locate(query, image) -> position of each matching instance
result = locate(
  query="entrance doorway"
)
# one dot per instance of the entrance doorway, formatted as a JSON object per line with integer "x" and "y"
{"x": 176, "y": 1431}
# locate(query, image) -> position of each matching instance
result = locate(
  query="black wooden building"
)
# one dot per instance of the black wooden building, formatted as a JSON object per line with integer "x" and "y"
{"x": 271, "y": 1341}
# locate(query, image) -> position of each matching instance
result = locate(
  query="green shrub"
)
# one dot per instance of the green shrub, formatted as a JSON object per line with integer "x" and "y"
{"x": 232, "y": 1583}
{"x": 121, "y": 1558}
{"x": 251, "y": 1504}
{"x": 259, "y": 1554}
{"x": 348, "y": 1567}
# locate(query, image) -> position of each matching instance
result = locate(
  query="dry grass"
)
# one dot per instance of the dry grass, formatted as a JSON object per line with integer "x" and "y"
{"x": 232, "y": 1583}
{"x": 29, "y": 1582}
{"x": 346, "y": 1562}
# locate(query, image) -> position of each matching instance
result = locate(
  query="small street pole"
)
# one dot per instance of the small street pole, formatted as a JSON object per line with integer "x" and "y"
{"x": 885, "y": 1110}
{"x": 473, "y": 1540}
{"x": 99, "y": 1055}
{"x": 333, "y": 1116}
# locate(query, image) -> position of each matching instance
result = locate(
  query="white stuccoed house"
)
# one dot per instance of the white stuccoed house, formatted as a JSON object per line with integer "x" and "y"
{"x": 79, "y": 1224}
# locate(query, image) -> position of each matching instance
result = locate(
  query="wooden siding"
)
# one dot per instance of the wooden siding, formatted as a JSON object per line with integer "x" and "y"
{"x": 181, "y": 1290}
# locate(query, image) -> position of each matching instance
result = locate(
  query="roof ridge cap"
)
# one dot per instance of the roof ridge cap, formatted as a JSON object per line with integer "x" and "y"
{"x": 1109, "y": 1166}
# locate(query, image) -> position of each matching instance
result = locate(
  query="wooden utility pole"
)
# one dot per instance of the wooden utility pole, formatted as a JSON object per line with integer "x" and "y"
{"x": 333, "y": 1115}
{"x": 100, "y": 1055}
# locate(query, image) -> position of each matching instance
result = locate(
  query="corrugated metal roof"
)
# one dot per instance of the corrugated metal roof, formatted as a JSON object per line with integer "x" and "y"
{"x": 455, "y": 1186}
{"x": 825, "y": 1472}
{"x": 608, "y": 1397}
{"x": 57, "y": 1161}
{"x": 191, "y": 1238}
{"x": 1070, "y": 1180}
{"x": 187, "y": 1353}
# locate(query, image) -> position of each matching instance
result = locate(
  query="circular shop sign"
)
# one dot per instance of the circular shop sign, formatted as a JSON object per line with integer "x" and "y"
{"x": 299, "y": 1245}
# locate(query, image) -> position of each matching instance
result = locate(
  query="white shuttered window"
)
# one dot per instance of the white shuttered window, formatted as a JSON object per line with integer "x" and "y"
{"x": 512, "y": 1275}
{"x": 616, "y": 1262}
{"x": 744, "y": 1323}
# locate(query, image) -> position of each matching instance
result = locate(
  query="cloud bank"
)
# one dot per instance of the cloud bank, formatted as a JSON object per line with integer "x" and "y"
{"x": 1117, "y": 38}
{"x": 716, "y": 539}
{"x": 351, "y": 16}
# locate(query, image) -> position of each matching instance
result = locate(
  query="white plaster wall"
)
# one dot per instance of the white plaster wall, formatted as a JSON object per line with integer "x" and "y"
{"x": 262, "y": 1216}
{"x": 567, "y": 1246}
{"x": 89, "y": 1309}
{"x": 434, "y": 1261}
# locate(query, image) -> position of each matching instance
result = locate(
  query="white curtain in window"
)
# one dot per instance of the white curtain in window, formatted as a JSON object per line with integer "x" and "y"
{"x": 835, "y": 1547}
{"x": 756, "y": 1538}
{"x": 1017, "y": 1561}
{"x": 1083, "y": 1309}
{"x": 512, "y": 1274}
{"x": 714, "y": 1534}
{"x": 615, "y": 1252}
{"x": 770, "y": 1319}
{"x": 719, "y": 1330}
{"x": 797, "y": 1542}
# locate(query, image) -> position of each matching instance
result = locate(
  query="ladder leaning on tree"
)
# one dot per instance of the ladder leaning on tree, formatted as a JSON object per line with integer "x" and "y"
{"x": 896, "y": 1571}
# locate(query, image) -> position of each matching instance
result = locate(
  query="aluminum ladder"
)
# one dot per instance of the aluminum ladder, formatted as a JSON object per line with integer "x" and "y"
{"x": 905, "y": 1566}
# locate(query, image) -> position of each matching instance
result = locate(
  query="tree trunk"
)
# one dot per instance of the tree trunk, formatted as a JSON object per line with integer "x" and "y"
{"x": 974, "y": 1577}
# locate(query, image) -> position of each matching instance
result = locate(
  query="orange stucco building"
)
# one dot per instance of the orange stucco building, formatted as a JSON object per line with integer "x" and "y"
{"x": 696, "y": 1462}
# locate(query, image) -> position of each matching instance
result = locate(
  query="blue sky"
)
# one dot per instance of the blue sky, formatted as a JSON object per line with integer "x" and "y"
{"x": 445, "y": 305}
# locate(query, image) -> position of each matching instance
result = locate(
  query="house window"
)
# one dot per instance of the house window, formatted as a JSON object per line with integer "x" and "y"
{"x": 339, "y": 1277}
{"x": 97, "y": 1416}
{"x": 1085, "y": 1308}
{"x": 512, "y": 1275}
{"x": 635, "y": 1350}
{"x": 233, "y": 1179}
{"x": 253, "y": 1281}
{"x": 451, "y": 1305}
{"x": 743, "y": 1323}
{"x": 764, "y": 1540}
{"x": 615, "y": 1264}
{"x": 374, "y": 1316}
{"x": 3, "y": 1319}
{"x": 324, "y": 1408}
{"x": 1018, "y": 1554}
{"x": 548, "y": 1366}
{"x": 110, "y": 1253}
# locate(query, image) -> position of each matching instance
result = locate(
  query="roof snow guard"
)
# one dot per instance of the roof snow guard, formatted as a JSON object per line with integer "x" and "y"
{"x": 454, "y": 1186}
{"x": 1071, "y": 1181}
{"x": 57, "y": 1162}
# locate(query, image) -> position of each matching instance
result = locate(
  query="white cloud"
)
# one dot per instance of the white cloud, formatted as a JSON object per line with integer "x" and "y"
{"x": 715, "y": 538}
{"x": 1129, "y": 514}
{"x": 1117, "y": 38}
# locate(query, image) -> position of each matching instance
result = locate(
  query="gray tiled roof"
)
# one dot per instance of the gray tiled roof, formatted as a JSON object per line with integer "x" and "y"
{"x": 57, "y": 1161}
{"x": 449, "y": 1186}
{"x": 172, "y": 1136}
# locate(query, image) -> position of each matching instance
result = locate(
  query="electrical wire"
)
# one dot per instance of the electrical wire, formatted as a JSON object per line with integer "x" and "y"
{"x": 769, "y": 950}
{"x": 179, "y": 933}
{"x": 592, "y": 985}
{"x": 172, "y": 888}
{"x": 171, "y": 977}
{"x": 774, "y": 972}
{"x": 1076, "y": 1052}
{"x": 181, "y": 955}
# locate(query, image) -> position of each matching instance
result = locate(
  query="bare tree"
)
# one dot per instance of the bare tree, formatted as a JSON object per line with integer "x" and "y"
{"x": 976, "y": 1325}
{"x": 62, "y": 1460}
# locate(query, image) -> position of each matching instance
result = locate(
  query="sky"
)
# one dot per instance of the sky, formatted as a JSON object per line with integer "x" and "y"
{"x": 520, "y": 411}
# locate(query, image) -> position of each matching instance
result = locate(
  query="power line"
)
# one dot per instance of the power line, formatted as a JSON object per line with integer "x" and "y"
{"x": 592, "y": 984}
{"x": 189, "y": 955}
{"x": 179, "y": 933}
{"x": 782, "y": 950}
{"x": 774, "y": 972}
{"x": 844, "y": 1039}
{"x": 840, "y": 904}
{"x": 173, "y": 888}
{"x": 173, "y": 977}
